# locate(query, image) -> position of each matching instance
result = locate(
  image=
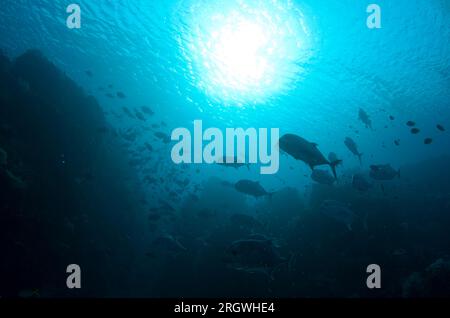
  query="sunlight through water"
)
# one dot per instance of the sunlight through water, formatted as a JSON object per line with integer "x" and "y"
{"x": 242, "y": 52}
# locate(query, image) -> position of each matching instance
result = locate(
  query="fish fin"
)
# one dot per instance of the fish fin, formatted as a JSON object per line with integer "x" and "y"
{"x": 333, "y": 166}
{"x": 360, "y": 158}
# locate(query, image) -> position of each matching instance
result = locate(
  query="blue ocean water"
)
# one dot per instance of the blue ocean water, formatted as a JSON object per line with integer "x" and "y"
{"x": 312, "y": 66}
{"x": 400, "y": 70}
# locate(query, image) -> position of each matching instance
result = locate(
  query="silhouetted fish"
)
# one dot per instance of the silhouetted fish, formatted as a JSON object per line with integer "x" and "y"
{"x": 139, "y": 115}
{"x": 364, "y": 117}
{"x": 252, "y": 188}
{"x": 254, "y": 256}
{"x": 232, "y": 162}
{"x": 306, "y": 151}
{"x": 147, "y": 110}
{"x": 351, "y": 145}
{"x": 383, "y": 172}
{"x": 165, "y": 138}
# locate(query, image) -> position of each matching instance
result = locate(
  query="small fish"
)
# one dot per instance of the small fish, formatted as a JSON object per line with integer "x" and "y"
{"x": 148, "y": 146}
{"x": 397, "y": 142}
{"x": 232, "y": 162}
{"x": 165, "y": 138}
{"x": 353, "y": 147}
{"x": 182, "y": 183}
{"x": 391, "y": 117}
{"x": 428, "y": 141}
{"x": 383, "y": 172}
{"x": 364, "y": 117}
{"x": 254, "y": 256}
{"x": 251, "y": 188}
{"x": 130, "y": 134}
{"x": 440, "y": 127}
{"x": 89, "y": 73}
{"x": 109, "y": 95}
{"x": 139, "y": 116}
{"x": 410, "y": 123}
{"x": 415, "y": 131}
{"x": 147, "y": 110}
{"x": 128, "y": 112}
{"x": 121, "y": 95}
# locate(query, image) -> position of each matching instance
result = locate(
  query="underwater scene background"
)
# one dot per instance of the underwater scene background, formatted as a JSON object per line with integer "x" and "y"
{"x": 87, "y": 178}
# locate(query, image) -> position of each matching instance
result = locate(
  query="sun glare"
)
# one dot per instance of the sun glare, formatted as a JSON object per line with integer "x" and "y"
{"x": 246, "y": 50}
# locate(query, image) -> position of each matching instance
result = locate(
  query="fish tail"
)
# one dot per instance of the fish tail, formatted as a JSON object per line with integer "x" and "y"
{"x": 360, "y": 158}
{"x": 333, "y": 166}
